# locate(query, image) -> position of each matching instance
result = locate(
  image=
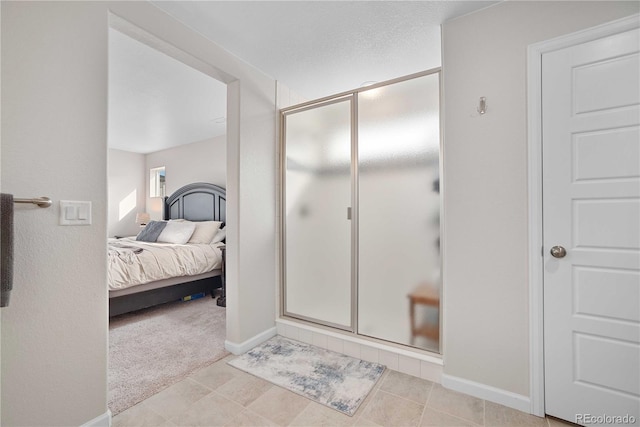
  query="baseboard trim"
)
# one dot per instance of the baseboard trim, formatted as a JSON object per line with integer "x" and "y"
{"x": 486, "y": 392}
{"x": 247, "y": 345}
{"x": 103, "y": 420}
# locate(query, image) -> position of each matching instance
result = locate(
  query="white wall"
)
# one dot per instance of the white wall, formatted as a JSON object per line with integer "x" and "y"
{"x": 54, "y": 115}
{"x": 127, "y": 190}
{"x": 486, "y": 312}
{"x": 203, "y": 161}
{"x": 54, "y": 110}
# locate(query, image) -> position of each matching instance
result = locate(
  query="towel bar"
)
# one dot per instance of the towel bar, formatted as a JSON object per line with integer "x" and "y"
{"x": 43, "y": 202}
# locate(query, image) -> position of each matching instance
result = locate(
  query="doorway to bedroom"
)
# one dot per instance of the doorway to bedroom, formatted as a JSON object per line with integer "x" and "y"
{"x": 166, "y": 138}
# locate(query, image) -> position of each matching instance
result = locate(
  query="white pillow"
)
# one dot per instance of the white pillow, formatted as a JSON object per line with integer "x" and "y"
{"x": 205, "y": 231}
{"x": 220, "y": 235}
{"x": 177, "y": 232}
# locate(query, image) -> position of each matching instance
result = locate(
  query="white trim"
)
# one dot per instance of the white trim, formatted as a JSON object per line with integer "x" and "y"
{"x": 103, "y": 420}
{"x": 486, "y": 392}
{"x": 534, "y": 147}
{"x": 251, "y": 342}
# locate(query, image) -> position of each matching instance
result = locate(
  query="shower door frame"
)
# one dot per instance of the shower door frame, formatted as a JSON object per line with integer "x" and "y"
{"x": 353, "y": 113}
{"x": 352, "y": 95}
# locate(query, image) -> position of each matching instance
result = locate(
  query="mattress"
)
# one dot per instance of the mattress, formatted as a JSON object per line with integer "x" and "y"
{"x": 132, "y": 263}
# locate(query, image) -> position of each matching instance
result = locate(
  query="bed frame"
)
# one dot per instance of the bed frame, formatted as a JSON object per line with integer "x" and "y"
{"x": 199, "y": 201}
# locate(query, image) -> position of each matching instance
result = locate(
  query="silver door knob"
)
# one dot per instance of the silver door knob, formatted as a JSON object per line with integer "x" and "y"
{"x": 558, "y": 252}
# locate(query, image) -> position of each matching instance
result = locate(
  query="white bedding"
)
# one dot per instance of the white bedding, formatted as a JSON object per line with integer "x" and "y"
{"x": 128, "y": 266}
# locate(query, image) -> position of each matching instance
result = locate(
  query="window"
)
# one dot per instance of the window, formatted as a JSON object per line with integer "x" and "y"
{"x": 157, "y": 180}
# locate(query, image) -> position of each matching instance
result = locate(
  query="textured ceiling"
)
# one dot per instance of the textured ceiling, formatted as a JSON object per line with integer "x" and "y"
{"x": 316, "y": 48}
{"x": 319, "y": 48}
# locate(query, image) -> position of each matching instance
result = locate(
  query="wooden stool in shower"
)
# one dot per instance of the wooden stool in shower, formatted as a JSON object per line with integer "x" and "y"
{"x": 429, "y": 295}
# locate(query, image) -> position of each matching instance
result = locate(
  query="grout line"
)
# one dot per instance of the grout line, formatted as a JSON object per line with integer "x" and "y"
{"x": 199, "y": 399}
{"x": 190, "y": 404}
{"x": 248, "y": 404}
{"x": 223, "y": 362}
{"x": 252, "y": 412}
{"x": 292, "y": 422}
{"x": 426, "y": 403}
{"x": 199, "y": 383}
{"x": 404, "y": 398}
{"x": 455, "y": 416}
{"x": 363, "y": 406}
{"x": 381, "y": 380}
{"x": 429, "y": 395}
{"x": 484, "y": 412}
{"x": 424, "y": 408}
{"x": 229, "y": 400}
{"x": 141, "y": 405}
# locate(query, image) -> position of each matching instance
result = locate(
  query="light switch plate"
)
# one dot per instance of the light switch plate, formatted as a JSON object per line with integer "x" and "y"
{"x": 75, "y": 212}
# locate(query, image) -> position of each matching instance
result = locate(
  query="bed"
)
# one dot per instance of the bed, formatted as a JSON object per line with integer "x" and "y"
{"x": 195, "y": 202}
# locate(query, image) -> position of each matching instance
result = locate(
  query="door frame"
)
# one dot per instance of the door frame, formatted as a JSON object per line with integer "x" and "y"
{"x": 535, "y": 208}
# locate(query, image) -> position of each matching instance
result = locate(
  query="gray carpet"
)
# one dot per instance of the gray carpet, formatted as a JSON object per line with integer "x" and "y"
{"x": 332, "y": 379}
{"x": 154, "y": 348}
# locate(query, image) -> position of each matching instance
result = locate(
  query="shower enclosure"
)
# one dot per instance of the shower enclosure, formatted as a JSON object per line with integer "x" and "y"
{"x": 361, "y": 211}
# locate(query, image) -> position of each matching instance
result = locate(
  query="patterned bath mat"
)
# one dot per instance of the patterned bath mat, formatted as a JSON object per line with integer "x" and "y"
{"x": 332, "y": 379}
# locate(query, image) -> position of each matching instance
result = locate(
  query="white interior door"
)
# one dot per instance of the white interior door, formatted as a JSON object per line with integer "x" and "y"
{"x": 591, "y": 189}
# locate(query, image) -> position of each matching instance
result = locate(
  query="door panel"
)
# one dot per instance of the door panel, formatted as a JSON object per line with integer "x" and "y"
{"x": 591, "y": 301}
{"x": 607, "y": 154}
{"x": 591, "y": 203}
{"x": 318, "y": 233}
{"x": 597, "y": 362}
{"x": 399, "y": 212}
{"x": 608, "y": 84}
{"x": 590, "y": 231}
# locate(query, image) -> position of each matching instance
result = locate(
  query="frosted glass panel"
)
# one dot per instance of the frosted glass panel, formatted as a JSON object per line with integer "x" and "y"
{"x": 399, "y": 212}
{"x": 318, "y": 233}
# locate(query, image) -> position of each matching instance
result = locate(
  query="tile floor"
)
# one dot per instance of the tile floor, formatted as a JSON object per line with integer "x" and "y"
{"x": 220, "y": 395}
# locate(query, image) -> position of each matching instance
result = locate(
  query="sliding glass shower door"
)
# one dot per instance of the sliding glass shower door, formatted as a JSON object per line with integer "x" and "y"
{"x": 317, "y": 197}
{"x": 361, "y": 211}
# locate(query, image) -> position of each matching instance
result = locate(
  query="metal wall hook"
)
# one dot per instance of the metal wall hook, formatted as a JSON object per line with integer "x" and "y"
{"x": 482, "y": 106}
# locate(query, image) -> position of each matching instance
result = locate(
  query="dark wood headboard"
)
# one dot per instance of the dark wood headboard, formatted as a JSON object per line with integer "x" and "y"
{"x": 199, "y": 201}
